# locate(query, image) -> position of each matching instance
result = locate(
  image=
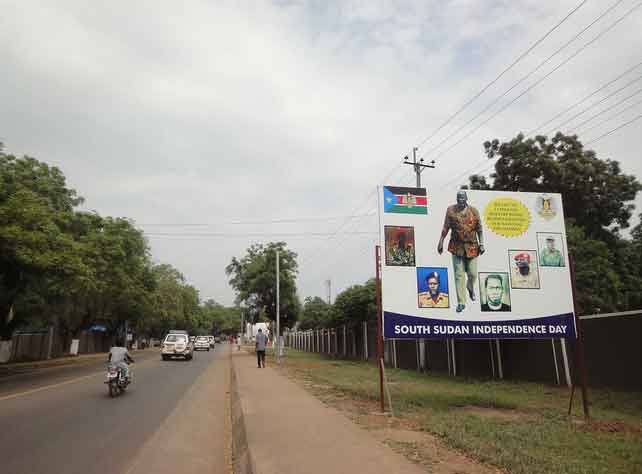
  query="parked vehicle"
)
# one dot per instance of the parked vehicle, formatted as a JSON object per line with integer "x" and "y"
{"x": 116, "y": 380}
{"x": 202, "y": 343}
{"x": 177, "y": 345}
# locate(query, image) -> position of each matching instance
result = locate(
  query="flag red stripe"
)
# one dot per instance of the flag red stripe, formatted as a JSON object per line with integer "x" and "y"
{"x": 419, "y": 200}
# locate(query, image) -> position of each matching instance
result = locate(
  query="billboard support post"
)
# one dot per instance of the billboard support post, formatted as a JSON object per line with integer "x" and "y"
{"x": 379, "y": 328}
{"x": 579, "y": 349}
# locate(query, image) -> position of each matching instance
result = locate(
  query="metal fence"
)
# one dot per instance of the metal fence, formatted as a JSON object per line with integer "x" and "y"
{"x": 613, "y": 352}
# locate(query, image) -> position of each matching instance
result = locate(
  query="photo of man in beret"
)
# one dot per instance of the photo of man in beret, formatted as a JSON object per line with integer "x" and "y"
{"x": 524, "y": 269}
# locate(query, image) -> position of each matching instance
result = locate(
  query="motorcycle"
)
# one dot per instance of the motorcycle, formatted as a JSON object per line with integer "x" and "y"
{"x": 116, "y": 380}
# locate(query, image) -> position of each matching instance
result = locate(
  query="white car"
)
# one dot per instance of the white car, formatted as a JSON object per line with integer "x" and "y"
{"x": 176, "y": 345}
{"x": 202, "y": 343}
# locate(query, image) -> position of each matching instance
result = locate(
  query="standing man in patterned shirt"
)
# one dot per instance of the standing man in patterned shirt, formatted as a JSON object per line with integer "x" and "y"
{"x": 466, "y": 244}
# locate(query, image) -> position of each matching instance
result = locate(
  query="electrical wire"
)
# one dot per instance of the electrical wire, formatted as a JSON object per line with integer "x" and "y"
{"x": 546, "y": 76}
{"x": 583, "y": 99}
{"x": 611, "y": 117}
{"x": 316, "y": 251}
{"x": 522, "y": 56}
{"x": 243, "y": 235}
{"x": 602, "y": 33}
{"x": 566, "y": 122}
{"x": 523, "y": 78}
{"x": 268, "y": 221}
{"x": 501, "y": 74}
{"x": 603, "y": 111}
{"x": 568, "y": 109}
{"x": 614, "y": 130}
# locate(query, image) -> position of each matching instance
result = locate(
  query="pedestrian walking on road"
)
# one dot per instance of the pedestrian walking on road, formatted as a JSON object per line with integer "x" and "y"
{"x": 261, "y": 341}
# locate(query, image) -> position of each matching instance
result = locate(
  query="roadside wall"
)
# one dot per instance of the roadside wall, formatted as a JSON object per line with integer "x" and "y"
{"x": 41, "y": 345}
{"x": 613, "y": 352}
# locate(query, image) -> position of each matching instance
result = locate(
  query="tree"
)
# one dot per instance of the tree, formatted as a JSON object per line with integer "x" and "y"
{"x": 72, "y": 269}
{"x": 36, "y": 209}
{"x": 315, "y": 313}
{"x": 355, "y": 305}
{"x": 219, "y": 319}
{"x": 597, "y": 199}
{"x": 174, "y": 302}
{"x": 253, "y": 277}
{"x": 596, "y": 195}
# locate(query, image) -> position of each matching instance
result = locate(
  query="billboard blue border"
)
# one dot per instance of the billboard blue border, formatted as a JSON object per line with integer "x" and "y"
{"x": 402, "y": 326}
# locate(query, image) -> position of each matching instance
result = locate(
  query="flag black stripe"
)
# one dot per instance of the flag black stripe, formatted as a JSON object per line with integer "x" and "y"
{"x": 413, "y": 191}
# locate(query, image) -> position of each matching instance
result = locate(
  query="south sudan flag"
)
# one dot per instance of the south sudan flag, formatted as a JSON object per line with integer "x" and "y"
{"x": 405, "y": 200}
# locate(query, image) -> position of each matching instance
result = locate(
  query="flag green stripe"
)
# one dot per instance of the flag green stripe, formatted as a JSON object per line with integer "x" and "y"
{"x": 408, "y": 210}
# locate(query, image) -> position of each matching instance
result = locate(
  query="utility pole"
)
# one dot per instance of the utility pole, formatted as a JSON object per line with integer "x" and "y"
{"x": 418, "y": 166}
{"x": 278, "y": 329}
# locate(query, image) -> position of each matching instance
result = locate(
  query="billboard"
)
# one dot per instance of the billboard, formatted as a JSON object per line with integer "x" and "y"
{"x": 474, "y": 264}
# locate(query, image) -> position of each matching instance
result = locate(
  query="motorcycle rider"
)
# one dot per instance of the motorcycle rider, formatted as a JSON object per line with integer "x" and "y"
{"x": 120, "y": 357}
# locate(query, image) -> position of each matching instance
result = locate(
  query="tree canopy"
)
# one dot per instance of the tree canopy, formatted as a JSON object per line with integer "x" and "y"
{"x": 316, "y": 313}
{"x": 72, "y": 269}
{"x": 253, "y": 277}
{"x": 597, "y": 199}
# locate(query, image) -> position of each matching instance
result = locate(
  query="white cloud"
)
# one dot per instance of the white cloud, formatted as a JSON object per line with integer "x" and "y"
{"x": 221, "y": 110}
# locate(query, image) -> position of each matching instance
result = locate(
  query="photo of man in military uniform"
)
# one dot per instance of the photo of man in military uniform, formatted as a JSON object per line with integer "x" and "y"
{"x": 466, "y": 244}
{"x": 549, "y": 255}
{"x": 400, "y": 246}
{"x": 524, "y": 272}
{"x": 434, "y": 297}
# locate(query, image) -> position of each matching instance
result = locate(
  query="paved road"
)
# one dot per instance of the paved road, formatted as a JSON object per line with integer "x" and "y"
{"x": 173, "y": 417}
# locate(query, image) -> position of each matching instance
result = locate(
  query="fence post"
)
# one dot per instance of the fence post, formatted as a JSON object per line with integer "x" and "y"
{"x": 394, "y": 353}
{"x": 365, "y": 340}
{"x": 492, "y": 357}
{"x": 354, "y": 341}
{"x": 336, "y": 343}
{"x": 448, "y": 356}
{"x": 500, "y": 369}
{"x": 567, "y": 372}
{"x": 557, "y": 371}
{"x": 329, "y": 341}
{"x": 452, "y": 345}
{"x": 422, "y": 355}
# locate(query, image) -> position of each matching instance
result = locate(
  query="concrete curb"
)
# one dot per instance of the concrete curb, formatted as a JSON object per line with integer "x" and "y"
{"x": 242, "y": 459}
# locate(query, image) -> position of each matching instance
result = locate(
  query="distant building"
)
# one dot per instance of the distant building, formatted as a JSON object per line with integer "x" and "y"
{"x": 252, "y": 329}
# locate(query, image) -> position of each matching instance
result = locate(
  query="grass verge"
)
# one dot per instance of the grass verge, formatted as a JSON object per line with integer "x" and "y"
{"x": 519, "y": 427}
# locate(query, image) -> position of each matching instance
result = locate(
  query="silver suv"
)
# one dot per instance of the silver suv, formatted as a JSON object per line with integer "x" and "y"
{"x": 177, "y": 344}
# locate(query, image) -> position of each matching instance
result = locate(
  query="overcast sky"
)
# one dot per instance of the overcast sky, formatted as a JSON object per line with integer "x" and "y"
{"x": 232, "y": 115}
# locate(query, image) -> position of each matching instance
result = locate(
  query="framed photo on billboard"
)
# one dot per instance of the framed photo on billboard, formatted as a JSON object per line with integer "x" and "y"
{"x": 400, "y": 246}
